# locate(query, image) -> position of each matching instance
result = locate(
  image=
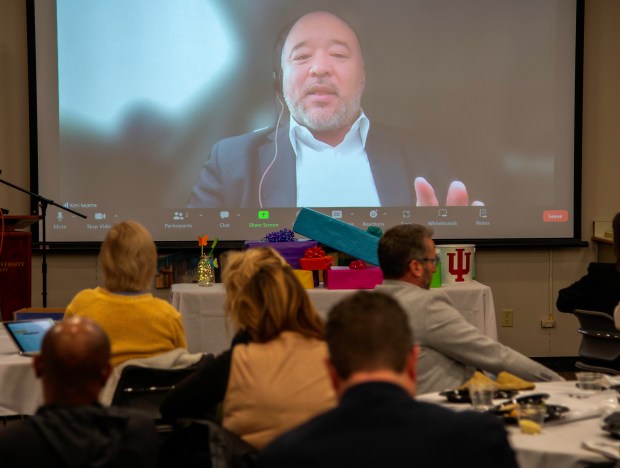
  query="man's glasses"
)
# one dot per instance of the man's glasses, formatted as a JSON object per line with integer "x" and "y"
{"x": 434, "y": 260}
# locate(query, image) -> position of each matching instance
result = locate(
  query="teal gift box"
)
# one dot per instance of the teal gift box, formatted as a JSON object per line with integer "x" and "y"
{"x": 337, "y": 235}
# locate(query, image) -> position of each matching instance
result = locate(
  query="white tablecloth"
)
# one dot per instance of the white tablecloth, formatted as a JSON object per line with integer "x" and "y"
{"x": 20, "y": 390}
{"x": 561, "y": 441}
{"x": 202, "y": 309}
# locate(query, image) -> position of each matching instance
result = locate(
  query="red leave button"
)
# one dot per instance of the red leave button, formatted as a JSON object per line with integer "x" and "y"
{"x": 555, "y": 216}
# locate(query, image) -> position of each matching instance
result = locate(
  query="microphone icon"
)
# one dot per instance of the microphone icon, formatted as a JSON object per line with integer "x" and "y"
{"x": 59, "y": 216}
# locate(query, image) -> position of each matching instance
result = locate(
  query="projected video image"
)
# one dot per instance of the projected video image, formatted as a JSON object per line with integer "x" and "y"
{"x": 226, "y": 116}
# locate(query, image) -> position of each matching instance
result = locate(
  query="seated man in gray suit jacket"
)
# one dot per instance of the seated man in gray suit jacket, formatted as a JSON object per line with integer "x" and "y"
{"x": 451, "y": 349}
{"x": 320, "y": 74}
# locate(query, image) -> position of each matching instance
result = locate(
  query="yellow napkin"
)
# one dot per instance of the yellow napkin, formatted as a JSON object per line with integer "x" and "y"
{"x": 507, "y": 381}
{"x": 478, "y": 377}
{"x": 504, "y": 381}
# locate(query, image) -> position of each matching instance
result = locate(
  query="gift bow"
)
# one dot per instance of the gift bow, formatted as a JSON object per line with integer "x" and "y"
{"x": 283, "y": 235}
{"x": 314, "y": 252}
{"x": 357, "y": 265}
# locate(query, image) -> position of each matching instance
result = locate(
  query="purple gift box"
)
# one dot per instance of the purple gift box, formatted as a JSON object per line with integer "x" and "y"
{"x": 291, "y": 251}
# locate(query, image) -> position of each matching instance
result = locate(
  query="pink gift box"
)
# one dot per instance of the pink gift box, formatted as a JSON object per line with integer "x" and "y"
{"x": 346, "y": 278}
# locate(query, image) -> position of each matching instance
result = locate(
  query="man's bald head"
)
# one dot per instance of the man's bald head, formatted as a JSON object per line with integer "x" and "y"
{"x": 74, "y": 362}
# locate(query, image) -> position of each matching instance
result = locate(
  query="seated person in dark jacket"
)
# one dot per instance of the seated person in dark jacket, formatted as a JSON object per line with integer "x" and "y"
{"x": 378, "y": 423}
{"x": 598, "y": 290}
{"x": 72, "y": 429}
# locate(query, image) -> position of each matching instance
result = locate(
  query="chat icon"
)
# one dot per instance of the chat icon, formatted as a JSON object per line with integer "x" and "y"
{"x": 224, "y": 214}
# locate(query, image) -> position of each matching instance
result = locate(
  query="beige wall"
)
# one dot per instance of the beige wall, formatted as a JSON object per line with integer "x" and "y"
{"x": 13, "y": 104}
{"x": 526, "y": 281}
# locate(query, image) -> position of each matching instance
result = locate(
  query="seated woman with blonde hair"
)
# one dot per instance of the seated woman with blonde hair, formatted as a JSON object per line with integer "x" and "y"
{"x": 138, "y": 324}
{"x": 274, "y": 376}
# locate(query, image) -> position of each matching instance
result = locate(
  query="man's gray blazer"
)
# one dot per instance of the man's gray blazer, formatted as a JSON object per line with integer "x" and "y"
{"x": 451, "y": 348}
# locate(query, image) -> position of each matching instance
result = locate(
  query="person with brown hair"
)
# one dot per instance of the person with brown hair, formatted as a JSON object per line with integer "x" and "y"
{"x": 273, "y": 377}
{"x": 599, "y": 289}
{"x": 138, "y": 324}
{"x": 71, "y": 429}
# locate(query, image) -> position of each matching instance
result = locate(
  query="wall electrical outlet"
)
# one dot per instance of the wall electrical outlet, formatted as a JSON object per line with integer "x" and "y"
{"x": 507, "y": 317}
{"x": 547, "y": 323}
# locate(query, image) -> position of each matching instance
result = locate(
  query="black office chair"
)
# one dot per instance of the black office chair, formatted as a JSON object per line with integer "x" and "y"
{"x": 144, "y": 388}
{"x": 600, "y": 342}
{"x": 204, "y": 444}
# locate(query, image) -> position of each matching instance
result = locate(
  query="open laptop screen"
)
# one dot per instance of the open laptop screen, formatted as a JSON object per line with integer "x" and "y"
{"x": 28, "y": 334}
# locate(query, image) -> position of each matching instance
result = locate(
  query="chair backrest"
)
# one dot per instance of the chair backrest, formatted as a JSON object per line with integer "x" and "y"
{"x": 205, "y": 444}
{"x": 144, "y": 388}
{"x": 600, "y": 339}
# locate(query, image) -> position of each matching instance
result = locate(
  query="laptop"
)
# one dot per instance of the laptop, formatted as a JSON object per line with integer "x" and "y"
{"x": 28, "y": 334}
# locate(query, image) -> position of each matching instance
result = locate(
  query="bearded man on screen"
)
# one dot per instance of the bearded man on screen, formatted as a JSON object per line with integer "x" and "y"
{"x": 321, "y": 78}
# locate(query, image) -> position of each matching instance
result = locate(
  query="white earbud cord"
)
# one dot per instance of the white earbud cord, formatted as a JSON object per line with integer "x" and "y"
{"x": 275, "y": 154}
